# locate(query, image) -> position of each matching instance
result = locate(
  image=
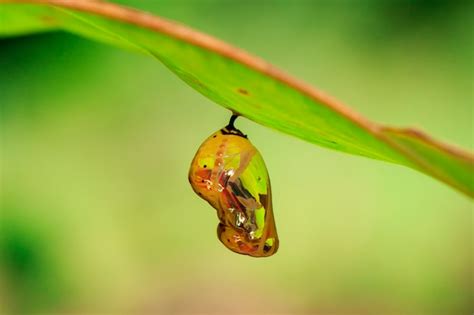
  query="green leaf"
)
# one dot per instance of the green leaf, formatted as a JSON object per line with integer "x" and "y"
{"x": 242, "y": 83}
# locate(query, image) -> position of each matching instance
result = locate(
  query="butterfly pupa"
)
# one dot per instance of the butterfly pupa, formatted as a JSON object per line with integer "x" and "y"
{"x": 229, "y": 173}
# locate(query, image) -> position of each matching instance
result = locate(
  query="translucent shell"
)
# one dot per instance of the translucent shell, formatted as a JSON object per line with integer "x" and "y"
{"x": 229, "y": 173}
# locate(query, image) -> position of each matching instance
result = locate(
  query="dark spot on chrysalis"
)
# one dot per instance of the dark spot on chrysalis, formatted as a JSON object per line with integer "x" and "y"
{"x": 266, "y": 247}
{"x": 263, "y": 199}
{"x": 205, "y": 166}
{"x": 239, "y": 190}
{"x": 214, "y": 136}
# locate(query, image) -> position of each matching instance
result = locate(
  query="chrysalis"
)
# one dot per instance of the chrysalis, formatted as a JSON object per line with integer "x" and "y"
{"x": 229, "y": 173}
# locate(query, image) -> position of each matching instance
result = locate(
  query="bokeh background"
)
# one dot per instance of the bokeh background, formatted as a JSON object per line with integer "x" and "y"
{"x": 97, "y": 215}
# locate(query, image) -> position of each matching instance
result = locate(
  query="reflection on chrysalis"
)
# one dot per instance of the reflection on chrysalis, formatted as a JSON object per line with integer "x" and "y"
{"x": 229, "y": 173}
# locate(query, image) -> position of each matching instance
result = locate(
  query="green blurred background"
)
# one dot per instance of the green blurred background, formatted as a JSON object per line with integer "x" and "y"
{"x": 97, "y": 215}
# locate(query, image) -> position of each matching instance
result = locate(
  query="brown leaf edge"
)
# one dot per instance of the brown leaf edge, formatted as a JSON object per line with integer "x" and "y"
{"x": 184, "y": 33}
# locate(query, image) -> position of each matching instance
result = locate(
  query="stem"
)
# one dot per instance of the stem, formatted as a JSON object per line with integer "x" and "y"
{"x": 231, "y": 126}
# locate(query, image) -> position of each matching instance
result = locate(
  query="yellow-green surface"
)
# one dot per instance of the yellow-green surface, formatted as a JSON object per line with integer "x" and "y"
{"x": 97, "y": 215}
